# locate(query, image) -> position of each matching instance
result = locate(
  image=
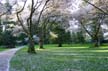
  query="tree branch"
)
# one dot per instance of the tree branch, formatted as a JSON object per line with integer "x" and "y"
{"x": 21, "y": 23}
{"x": 96, "y": 7}
{"x": 42, "y": 11}
{"x": 85, "y": 28}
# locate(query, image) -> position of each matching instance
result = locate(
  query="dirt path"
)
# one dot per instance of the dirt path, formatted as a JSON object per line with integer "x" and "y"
{"x": 5, "y": 58}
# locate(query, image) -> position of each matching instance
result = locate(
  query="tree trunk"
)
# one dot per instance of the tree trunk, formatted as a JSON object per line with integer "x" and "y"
{"x": 41, "y": 38}
{"x": 31, "y": 48}
{"x": 41, "y": 44}
{"x": 59, "y": 44}
{"x": 96, "y": 42}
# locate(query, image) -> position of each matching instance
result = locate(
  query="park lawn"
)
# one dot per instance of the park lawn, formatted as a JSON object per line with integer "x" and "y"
{"x": 61, "y": 59}
{"x": 3, "y": 49}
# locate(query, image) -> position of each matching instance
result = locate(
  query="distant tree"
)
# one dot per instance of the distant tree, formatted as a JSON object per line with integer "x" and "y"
{"x": 80, "y": 37}
{"x": 53, "y": 10}
{"x": 91, "y": 20}
{"x": 6, "y": 37}
{"x": 60, "y": 35}
{"x": 94, "y": 29}
{"x": 21, "y": 38}
{"x": 8, "y": 40}
{"x": 67, "y": 37}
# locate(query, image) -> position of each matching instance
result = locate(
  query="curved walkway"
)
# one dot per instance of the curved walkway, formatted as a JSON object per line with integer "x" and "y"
{"x": 5, "y": 58}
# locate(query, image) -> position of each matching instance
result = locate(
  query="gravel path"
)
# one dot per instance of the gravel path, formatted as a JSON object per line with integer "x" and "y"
{"x": 5, "y": 58}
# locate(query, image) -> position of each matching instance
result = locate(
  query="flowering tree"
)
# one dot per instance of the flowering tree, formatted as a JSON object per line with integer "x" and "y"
{"x": 34, "y": 9}
{"x": 92, "y": 14}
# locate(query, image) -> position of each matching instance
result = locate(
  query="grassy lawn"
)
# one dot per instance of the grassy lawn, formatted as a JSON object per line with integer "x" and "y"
{"x": 61, "y": 59}
{"x": 2, "y": 49}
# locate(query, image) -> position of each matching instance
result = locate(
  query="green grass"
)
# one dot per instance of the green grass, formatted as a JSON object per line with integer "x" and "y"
{"x": 61, "y": 59}
{"x": 2, "y": 49}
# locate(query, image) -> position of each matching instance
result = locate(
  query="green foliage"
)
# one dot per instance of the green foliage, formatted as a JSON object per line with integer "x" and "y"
{"x": 60, "y": 33}
{"x": 7, "y": 39}
{"x": 78, "y": 37}
{"x": 21, "y": 38}
{"x": 62, "y": 36}
{"x": 67, "y": 38}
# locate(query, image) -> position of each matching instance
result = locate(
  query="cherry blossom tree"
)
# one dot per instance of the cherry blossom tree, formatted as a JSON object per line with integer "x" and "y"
{"x": 34, "y": 9}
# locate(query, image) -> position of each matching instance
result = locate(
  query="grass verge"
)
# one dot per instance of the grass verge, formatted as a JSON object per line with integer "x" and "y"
{"x": 2, "y": 49}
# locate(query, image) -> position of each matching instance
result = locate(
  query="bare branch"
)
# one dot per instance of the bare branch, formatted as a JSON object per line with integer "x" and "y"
{"x": 96, "y": 7}
{"x": 22, "y": 7}
{"x": 36, "y": 7}
{"x": 42, "y": 11}
{"x": 21, "y": 23}
{"x": 3, "y": 14}
{"x": 85, "y": 28}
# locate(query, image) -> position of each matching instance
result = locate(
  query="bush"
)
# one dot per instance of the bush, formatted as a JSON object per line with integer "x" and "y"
{"x": 7, "y": 39}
